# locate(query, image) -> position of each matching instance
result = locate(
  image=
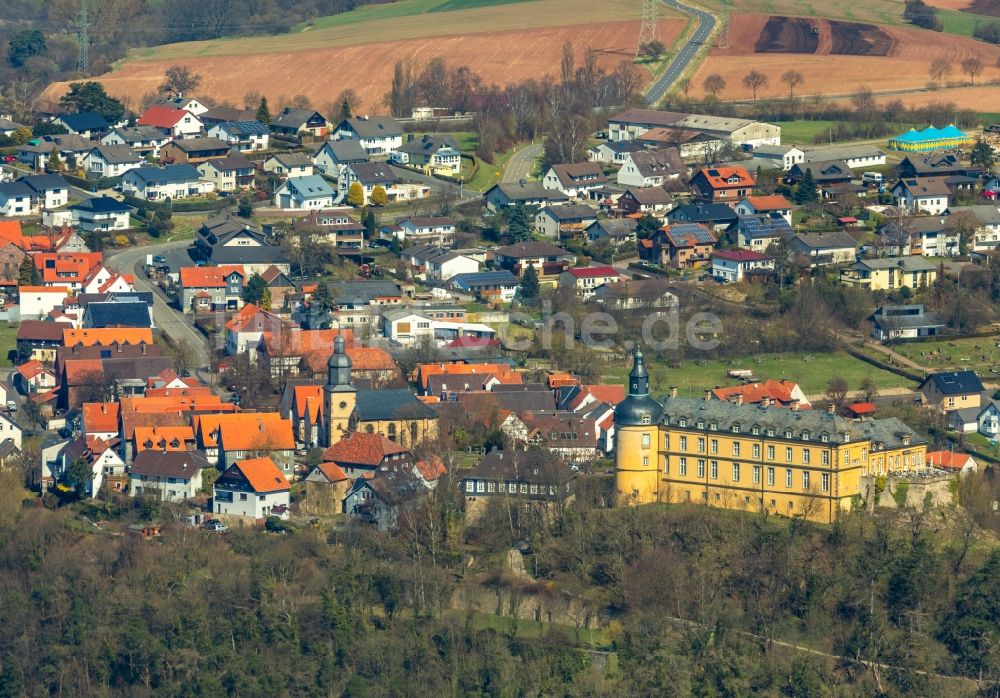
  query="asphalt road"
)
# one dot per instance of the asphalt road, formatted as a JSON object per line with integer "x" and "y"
{"x": 171, "y": 321}
{"x": 679, "y": 64}
{"x": 522, "y": 163}
{"x": 460, "y": 195}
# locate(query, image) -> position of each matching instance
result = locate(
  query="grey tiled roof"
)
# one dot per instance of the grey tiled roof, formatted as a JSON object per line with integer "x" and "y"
{"x": 391, "y": 404}
{"x": 801, "y": 423}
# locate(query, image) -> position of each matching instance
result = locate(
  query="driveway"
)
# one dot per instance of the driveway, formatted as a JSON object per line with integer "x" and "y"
{"x": 448, "y": 190}
{"x": 171, "y": 322}
{"x": 522, "y": 162}
{"x": 680, "y": 62}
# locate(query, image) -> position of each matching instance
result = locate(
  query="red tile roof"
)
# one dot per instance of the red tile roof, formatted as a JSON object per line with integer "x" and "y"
{"x": 31, "y": 369}
{"x": 431, "y": 468}
{"x": 11, "y": 231}
{"x": 779, "y": 392}
{"x": 717, "y": 176}
{"x": 161, "y": 116}
{"x": 262, "y": 474}
{"x": 592, "y": 272}
{"x": 948, "y": 459}
{"x": 106, "y": 336}
{"x": 250, "y": 317}
{"x": 774, "y": 202}
{"x": 362, "y": 449}
{"x": 332, "y": 472}
{"x": 57, "y": 268}
{"x": 100, "y": 417}
{"x": 250, "y": 431}
{"x": 425, "y": 371}
{"x": 860, "y": 408}
{"x": 208, "y": 277}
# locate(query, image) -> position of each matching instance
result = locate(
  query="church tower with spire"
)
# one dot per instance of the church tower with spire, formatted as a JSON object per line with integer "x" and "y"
{"x": 636, "y": 434}
{"x": 339, "y": 392}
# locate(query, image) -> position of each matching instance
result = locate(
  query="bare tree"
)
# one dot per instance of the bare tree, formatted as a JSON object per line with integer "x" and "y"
{"x": 836, "y": 390}
{"x": 754, "y": 80}
{"x": 972, "y": 66}
{"x": 714, "y": 84}
{"x": 179, "y": 80}
{"x": 793, "y": 79}
{"x": 568, "y": 61}
{"x": 684, "y": 85}
{"x": 940, "y": 69}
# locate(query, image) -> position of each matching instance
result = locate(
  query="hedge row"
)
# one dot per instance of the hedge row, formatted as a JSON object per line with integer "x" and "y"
{"x": 179, "y": 206}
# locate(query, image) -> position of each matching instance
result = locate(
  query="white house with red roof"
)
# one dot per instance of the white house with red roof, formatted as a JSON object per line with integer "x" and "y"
{"x": 961, "y": 463}
{"x": 773, "y": 205}
{"x": 38, "y": 301}
{"x": 176, "y": 123}
{"x": 34, "y": 377}
{"x": 585, "y": 280}
{"x": 245, "y": 330}
{"x": 730, "y": 266}
{"x": 254, "y": 488}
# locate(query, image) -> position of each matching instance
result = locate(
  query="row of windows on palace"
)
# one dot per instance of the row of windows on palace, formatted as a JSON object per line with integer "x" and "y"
{"x": 491, "y": 487}
{"x": 713, "y": 446}
{"x": 713, "y": 470}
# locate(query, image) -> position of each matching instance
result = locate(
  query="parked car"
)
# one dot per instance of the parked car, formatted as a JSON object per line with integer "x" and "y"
{"x": 10, "y": 158}
{"x": 215, "y": 525}
{"x": 11, "y": 406}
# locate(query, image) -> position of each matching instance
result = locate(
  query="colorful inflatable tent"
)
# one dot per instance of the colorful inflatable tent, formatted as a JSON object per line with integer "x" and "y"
{"x": 930, "y": 139}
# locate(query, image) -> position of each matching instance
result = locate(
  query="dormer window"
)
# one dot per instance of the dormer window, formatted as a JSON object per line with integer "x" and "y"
{"x": 713, "y": 426}
{"x": 770, "y": 431}
{"x": 736, "y": 428}
{"x": 805, "y": 436}
{"x": 788, "y": 433}
{"x": 755, "y": 430}
{"x": 646, "y": 419}
{"x": 701, "y": 424}
{"x": 682, "y": 422}
{"x": 824, "y": 437}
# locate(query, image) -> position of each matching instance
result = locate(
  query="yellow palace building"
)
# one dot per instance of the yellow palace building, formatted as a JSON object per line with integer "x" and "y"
{"x": 807, "y": 463}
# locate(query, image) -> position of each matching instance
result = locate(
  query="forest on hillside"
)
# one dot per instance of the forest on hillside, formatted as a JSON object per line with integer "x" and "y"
{"x": 685, "y": 601}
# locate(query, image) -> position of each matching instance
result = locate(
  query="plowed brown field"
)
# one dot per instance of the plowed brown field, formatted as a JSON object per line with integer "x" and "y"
{"x": 905, "y": 64}
{"x": 978, "y": 99}
{"x": 320, "y": 74}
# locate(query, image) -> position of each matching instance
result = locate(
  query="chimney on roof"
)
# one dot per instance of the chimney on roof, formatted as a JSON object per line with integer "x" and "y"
{"x": 832, "y": 408}
{"x": 708, "y": 395}
{"x": 673, "y": 391}
{"x": 794, "y": 405}
{"x": 738, "y": 398}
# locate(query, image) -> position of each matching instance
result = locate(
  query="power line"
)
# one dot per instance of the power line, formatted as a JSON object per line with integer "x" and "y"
{"x": 650, "y": 22}
{"x": 83, "y": 38}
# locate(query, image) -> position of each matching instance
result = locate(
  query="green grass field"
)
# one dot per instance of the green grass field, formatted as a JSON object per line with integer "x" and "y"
{"x": 804, "y": 131}
{"x": 8, "y": 342}
{"x": 811, "y": 371}
{"x": 961, "y": 23}
{"x": 978, "y": 353}
{"x": 452, "y": 5}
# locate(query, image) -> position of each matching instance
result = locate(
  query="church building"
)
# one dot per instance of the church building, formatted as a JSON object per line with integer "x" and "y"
{"x": 396, "y": 414}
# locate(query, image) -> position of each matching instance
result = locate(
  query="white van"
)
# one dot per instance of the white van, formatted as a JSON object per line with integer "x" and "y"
{"x": 872, "y": 178}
